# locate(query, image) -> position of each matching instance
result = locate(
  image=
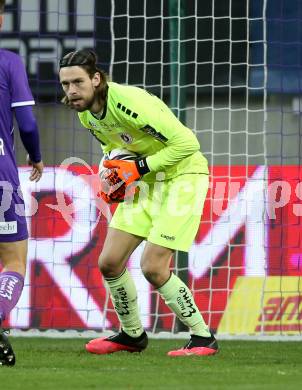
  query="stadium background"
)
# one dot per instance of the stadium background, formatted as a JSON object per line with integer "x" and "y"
{"x": 242, "y": 87}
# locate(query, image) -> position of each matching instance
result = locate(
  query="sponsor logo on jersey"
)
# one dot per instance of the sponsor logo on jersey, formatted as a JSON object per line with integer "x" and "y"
{"x": 93, "y": 124}
{"x": 127, "y": 138}
{"x": 155, "y": 134}
{"x": 107, "y": 126}
{"x": 8, "y": 227}
{"x": 110, "y": 126}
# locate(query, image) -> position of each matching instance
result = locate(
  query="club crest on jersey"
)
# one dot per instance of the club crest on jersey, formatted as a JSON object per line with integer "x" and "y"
{"x": 127, "y": 138}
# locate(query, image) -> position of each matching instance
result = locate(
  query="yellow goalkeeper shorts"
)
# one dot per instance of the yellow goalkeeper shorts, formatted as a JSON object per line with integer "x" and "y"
{"x": 166, "y": 213}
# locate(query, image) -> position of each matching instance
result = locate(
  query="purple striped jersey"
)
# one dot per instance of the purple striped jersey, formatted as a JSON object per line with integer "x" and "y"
{"x": 14, "y": 92}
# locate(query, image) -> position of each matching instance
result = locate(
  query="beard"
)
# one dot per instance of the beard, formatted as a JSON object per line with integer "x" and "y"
{"x": 86, "y": 104}
{"x": 99, "y": 95}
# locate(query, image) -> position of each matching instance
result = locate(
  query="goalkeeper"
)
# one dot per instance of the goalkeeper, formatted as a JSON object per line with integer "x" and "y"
{"x": 167, "y": 217}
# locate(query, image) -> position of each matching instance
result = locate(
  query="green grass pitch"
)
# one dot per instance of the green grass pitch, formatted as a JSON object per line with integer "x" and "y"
{"x": 63, "y": 364}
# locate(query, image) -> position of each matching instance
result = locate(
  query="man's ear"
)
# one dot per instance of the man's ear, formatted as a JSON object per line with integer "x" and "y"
{"x": 96, "y": 79}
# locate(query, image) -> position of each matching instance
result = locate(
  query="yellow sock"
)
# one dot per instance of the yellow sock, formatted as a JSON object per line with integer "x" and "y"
{"x": 124, "y": 299}
{"x": 180, "y": 300}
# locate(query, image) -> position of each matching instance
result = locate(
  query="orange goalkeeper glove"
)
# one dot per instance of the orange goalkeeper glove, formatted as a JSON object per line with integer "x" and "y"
{"x": 128, "y": 171}
{"x": 113, "y": 189}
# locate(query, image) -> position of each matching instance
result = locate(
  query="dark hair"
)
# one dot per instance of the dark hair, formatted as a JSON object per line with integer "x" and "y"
{"x": 2, "y": 5}
{"x": 86, "y": 59}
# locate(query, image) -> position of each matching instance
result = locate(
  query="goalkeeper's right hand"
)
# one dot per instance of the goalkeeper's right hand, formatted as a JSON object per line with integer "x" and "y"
{"x": 112, "y": 197}
{"x": 113, "y": 189}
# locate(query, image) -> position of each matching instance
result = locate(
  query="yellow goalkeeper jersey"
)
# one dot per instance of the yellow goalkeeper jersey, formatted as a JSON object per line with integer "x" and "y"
{"x": 136, "y": 120}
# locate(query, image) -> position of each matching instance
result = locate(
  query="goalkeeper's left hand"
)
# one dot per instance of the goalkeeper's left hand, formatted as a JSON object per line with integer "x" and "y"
{"x": 128, "y": 171}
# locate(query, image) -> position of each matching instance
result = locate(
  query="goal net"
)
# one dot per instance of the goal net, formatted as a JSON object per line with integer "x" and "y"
{"x": 230, "y": 71}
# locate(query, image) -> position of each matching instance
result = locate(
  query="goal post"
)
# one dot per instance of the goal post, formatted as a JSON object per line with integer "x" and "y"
{"x": 177, "y": 58}
{"x": 178, "y": 100}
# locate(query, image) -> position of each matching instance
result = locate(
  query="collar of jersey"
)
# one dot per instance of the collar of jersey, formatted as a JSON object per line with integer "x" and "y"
{"x": 104, "y": 112}
{"x": 104, "y": 109}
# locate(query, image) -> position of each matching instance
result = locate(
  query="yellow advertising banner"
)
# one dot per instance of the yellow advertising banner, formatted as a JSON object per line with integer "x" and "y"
{"x": 264, "y": 305}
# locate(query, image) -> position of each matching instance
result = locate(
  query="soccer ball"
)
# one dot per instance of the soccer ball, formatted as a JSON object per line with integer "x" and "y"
{"x": 111, "y": 184}
{"x": 120, "y": 154}
{"x": 116, "y": 154}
